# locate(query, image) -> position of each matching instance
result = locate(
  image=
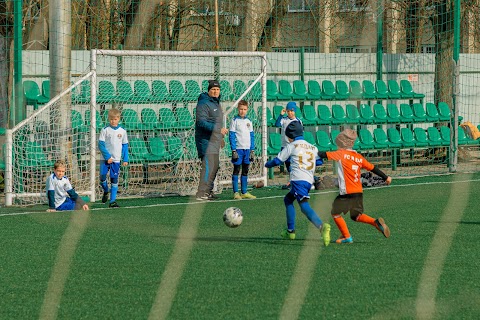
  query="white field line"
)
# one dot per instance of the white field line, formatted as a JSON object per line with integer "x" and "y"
{"x": 439, "y": 248}
{"x": 61, "y": 268}
{"x": 258, "y": 199}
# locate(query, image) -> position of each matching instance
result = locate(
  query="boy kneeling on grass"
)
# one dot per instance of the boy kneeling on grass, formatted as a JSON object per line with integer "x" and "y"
{"x": 60, "y": 193}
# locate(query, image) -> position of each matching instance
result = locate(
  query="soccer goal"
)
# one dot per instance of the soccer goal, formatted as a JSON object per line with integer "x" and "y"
{"x": 156, "y": 93}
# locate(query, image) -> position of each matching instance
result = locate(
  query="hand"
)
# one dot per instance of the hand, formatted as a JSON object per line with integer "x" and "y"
{"x": 252, "y": 155}
{"x": 283, "y": 111}
{"x": 85, "y": 207}
{"x": 110, "y": 160}
{"x": 388, "y": 181}
{"x": 125, "y": 164}
{"x": 234, "y": 155}
{"x": 51, "y": 210}
{"x": 224, "y": 131}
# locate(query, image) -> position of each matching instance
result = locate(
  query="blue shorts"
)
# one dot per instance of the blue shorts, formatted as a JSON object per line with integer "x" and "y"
{"x": 300, "y": 189}
{"x": 113, "y": 167}
{"x": 243, "y": 157}
{"x": 68, "y": 204}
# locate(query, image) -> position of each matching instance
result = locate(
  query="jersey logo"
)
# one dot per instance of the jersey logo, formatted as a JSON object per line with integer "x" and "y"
{"x": 119, "y": 136}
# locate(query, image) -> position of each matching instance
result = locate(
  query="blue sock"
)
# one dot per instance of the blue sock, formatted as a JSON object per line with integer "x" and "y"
{"x": 244, "y": 181}
{"x": 104, "y": 185}
{"x": 290, "y": 209}
{"x": 113, "y": 192}
{"x": 235, "y": 183}
{"x": 311, "y": 215}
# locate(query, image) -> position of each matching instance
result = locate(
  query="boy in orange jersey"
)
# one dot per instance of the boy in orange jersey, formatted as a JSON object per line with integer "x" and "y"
{"x": 350, "y": 198}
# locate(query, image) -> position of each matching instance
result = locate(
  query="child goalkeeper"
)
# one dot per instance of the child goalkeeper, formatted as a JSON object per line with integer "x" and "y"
{"x": 350, "y": 198}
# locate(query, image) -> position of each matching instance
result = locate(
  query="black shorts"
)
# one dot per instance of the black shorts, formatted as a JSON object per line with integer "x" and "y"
{"x": 349, "y": 202}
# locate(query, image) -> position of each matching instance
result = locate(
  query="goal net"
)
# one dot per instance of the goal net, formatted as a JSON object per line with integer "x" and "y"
{"x": 157, "y": 94}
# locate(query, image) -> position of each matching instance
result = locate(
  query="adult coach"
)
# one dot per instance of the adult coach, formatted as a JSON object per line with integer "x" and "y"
{"x": 209, "y": 134}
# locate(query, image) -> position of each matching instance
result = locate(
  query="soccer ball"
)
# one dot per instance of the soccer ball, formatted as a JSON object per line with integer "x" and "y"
{"x": 232, "y": 217}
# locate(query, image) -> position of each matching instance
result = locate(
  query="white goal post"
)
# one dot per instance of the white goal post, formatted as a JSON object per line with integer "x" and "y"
{"x": 156, "y": 92}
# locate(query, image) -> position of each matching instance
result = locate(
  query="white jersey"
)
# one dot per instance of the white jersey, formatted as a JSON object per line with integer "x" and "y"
{"x": 60, "y": 186}
{"x": 114, "y": 139}
{"x": 303, "y": 156}
{"x": 285, "y": 122}
{"x": 242, "y": 128}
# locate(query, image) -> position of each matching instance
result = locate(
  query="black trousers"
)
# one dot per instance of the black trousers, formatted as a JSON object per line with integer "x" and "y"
{"x": 208, "y": 173}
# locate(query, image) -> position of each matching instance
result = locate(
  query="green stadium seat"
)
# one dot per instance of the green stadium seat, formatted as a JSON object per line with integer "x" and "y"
{"x": 239, "y": 87}
{"x": 46, "y": 89}
{"x": 255, "y": 94}
{"x": 407, "y": 91}
{"x": 272, "y": 91}
{"x": 274, "y": 143}
{"x": 421, "y": 139}
{"x": 324, "y": 115}
{"x": 333, "y": 135}
{"x": 339, "y": 116}
{"x": 432, "y": 112}
{"x": 366, "y": 114}
{"x": 192, "y": 89}
{"x": 341, "y": 90}
{"x": 106, "y": 92}
{"x": 131, "y": 120}
{"x": 419, "y": 114}
{"x": 309, "y": 115}
{"x": 184, "y": 118}
{"x": 252, "y": 115}
{"x": 285, "y": 91}
{"x": 299, "y": 90}
{"x": 159, "y": 91}
{"x": 124, "y": 93}
{"x": 353, "y": 115}
{"x": 176, "y": 91}
{"x": 328, "y": 90}
{"x": 167, "y": 119}
{"x": 308, "y": 136}
{"x": 270, "y": 119}
{"x": 226, "y": 91}
{"x": 78, "y": 126}
{"x": 32, "y": 94}
{"x": 35, "y": 156}
{"x": 380, "y": 139}
{"x": 381, "y": 115}
{"x": 445, "y": 133}
{"x": 157, "y": 150}
{"x": 138, "y": 151}
{"x": 394, "y": 138}
{"x": 369, "y": 91}
{"x": 277, "y": 109}
{"x": 141, "y": 92}
{"x": 98, "y": 120}
{"x": 406, "y": 113}
{"x": 408, "y": 140}
{"x": 381, "y": 89}
{"x": 394, "y": 90}
{"x": 434, "y": 138}
{"x": 205, "y": 86}
{"x": 149, "y": 119}
{"x": 463, "y": 139}
{"x": 314, "y": 90}
{"x": 365, "y": 139}
{"x": 323, "y": 141}
{"x": 444, "y": 111}
{"x": 355, "y": 89}
{"x": 84, "y": 96}
{"x": 394, "y": 113}
{"x": 174, "y": 148}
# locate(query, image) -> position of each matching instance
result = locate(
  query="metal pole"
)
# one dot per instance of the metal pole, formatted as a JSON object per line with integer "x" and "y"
{"x": 453, "y": 159}
{"x": 18, "y": 112}
{"x": 217, "y": 46}
{"x": 379, "y": 39}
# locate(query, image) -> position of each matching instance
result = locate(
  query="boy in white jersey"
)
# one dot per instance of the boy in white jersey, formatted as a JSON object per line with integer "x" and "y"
{"x": 113, "y": 145}
{"x": 304, "y": 158}
{"x": 283, "y": 123}
{"x": 60, "y": 193}
{"x": 242, "y": 142}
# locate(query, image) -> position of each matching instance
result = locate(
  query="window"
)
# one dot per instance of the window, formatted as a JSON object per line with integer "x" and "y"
{"x": 301, "y": 5}
{"x": 352, "y": 5}
{"x": 355, "y": 49}
{"x": 428, "y": 48}
{"x": 306, "y": 49}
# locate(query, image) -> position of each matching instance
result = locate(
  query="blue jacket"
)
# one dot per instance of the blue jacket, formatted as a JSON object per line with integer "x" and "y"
{"x": 209, "y": 121}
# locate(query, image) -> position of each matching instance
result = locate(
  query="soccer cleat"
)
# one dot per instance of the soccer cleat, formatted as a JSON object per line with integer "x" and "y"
{"x": 286, "y": 186}
{"x": 212, "y": 196}
{"x": 382, "y": 227}
{"x": 237, "y": 196}
{"x": 289, "y": 235}
{"x": 344, "y": 240}
{"x": 326, "y": 234}
{"x": 114, "y": 204}
{"x": 206, "y": 197}
{"x": 248, "y": 195}
{"x": 105, "y": 197}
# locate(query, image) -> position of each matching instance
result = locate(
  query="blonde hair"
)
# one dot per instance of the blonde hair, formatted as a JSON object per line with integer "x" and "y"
{"x": 59, "y": 164}
{"x": 114, "y": 113}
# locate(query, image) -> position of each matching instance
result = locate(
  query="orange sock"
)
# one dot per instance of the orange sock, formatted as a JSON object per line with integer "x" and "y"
{"x": 366, "y": 219}
{"x": 342, "y": 225}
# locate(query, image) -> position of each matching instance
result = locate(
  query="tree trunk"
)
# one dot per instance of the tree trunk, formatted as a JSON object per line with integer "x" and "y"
{"x": 257, "y": 13}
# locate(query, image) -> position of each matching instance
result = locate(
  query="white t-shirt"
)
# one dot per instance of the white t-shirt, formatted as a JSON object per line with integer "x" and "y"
{"x": 60, "y": 186}
{"x": 114, "y": 139}
{"x": 242, "y": 128}
{"x": 303, "y": 156}
{"x": 285, "y": 122}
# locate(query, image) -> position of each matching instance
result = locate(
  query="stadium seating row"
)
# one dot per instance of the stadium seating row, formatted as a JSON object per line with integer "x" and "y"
{"x": 380, "y": 139}
{"x": 177, "y": 92}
